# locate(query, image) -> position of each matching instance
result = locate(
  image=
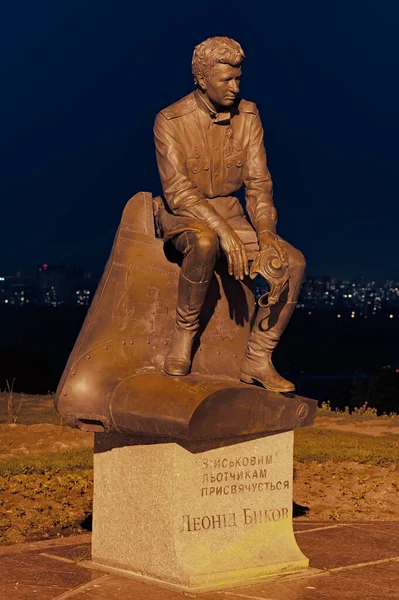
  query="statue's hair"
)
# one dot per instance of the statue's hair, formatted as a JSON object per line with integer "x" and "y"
{"x": 213, "y": 51}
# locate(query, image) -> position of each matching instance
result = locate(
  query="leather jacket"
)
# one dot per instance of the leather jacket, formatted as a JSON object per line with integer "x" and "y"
{"x": 204, "y": 157}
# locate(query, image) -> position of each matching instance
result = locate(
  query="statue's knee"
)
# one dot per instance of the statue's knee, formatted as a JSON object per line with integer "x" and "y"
{"x": 297, "y": 262}
{"x": 206, "y": 242}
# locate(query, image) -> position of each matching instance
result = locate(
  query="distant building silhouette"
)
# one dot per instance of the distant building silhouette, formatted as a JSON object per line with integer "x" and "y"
{"x": 59, "y": 285}
{"x": 318, "y": 292}
{"x": 18, "y": 289}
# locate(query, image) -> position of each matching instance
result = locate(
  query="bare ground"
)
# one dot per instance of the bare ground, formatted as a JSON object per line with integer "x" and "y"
{"x": 347, "y": 491}
{"x": 32, "y": 440}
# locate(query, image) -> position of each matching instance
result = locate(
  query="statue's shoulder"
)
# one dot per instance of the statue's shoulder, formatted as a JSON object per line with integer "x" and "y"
{"x": 245, "y": 106}
{"x": 180, "y": 108}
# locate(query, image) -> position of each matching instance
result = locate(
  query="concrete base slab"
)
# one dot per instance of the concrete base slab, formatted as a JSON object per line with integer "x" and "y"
{"x": 230, "y": 584}
{"x": 197, "y": 516}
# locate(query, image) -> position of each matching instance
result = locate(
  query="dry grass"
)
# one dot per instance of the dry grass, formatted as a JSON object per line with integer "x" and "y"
{"x": 13, "y": 409}
{"x": 360, "y": 414}
{"x": 27, "y": 409}
{"x": 45, "y": 497}
{"x": 328, "y": 445}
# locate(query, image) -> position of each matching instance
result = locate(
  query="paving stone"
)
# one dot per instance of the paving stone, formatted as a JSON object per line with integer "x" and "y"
{"x": 305, "y": 525}
{"x": 390, "y": 528}
{"x": 357, "y": 584}
{"x": 74, "y": 540}
{"x": 348, "y": 545}
{"x": 116, "y": 587}
{"x": 75, "y": 552}
{"x": 26, "y": 573}
{"x": 29, "y": 592}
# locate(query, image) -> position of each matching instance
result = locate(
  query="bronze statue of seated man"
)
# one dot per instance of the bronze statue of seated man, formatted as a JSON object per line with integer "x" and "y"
{"x": 208, "y": 145}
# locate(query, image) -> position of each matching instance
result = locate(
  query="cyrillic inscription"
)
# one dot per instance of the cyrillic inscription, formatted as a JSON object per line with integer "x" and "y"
{"x": 247, "y": 517}
{"x": 267, "y": 515}
{"x": 261, "y": 486}
{"x": 230, "y": 475}
{"x": 242, "y": 461}
{"x": 209, "y": 522}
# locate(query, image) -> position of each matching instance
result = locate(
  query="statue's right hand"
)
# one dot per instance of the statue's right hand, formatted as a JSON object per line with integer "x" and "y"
{"x": 235, "y": 252}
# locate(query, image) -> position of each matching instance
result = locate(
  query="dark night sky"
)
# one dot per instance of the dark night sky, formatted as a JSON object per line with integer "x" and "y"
{"x": 81, "y": 82}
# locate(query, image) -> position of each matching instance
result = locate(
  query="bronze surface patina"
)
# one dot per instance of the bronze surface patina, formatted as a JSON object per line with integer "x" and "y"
{"x": 172, "y": 344}
{"x": 208, "y": 145}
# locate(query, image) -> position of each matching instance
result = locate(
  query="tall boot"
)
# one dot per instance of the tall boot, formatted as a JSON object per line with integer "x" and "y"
{"x": 191, "y": 297}
{"x": 257, "y": 362}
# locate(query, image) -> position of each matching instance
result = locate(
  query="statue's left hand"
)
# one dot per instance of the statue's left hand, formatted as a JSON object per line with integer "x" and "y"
{"x": 267, "y": 238}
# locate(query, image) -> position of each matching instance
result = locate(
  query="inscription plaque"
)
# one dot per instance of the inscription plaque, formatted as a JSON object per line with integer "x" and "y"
{"x": 240, "y": 477}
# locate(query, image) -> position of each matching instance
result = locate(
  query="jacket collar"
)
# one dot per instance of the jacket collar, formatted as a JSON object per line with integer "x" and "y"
{"x": 217, "y": 117}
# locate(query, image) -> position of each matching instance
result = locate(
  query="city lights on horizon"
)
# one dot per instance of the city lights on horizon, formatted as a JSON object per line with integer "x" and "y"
{"x": 357, "y": 299}
{"x": 61, "y": 285}
{"x": 51, "y": 285}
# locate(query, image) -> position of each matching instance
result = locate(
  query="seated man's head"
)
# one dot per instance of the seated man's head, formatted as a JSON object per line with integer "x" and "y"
{"x": 216, "y": 68}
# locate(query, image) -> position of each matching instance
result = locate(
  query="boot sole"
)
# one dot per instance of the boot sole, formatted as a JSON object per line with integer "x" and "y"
{"x": 248, "y": 379}
{"x": 177, "y": 370}
{"x": 176, "y": 374}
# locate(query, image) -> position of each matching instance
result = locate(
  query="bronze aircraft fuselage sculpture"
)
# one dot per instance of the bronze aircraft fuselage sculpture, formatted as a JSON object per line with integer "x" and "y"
{"x": 208, "y": 145}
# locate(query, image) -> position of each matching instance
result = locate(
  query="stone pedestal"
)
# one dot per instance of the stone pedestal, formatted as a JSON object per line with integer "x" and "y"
{"x": 195, "y": 515}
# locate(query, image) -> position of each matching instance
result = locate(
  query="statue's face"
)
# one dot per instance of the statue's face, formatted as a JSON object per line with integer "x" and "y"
{"x": 221, "y": 85}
